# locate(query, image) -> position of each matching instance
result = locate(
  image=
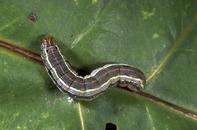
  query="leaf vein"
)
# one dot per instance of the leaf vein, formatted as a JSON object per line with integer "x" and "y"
{"x": 173, "y": 49}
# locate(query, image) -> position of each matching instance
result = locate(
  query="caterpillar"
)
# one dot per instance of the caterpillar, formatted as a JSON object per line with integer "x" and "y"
{"x": 90, "y": 86}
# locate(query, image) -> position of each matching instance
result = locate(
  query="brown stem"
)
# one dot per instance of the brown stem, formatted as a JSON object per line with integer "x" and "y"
{"x": 22, "y": 51}
{"x": 186, "y": 112}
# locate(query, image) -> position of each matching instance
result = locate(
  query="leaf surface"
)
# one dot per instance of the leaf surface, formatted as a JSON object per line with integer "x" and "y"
{"x": 159, "y": 37}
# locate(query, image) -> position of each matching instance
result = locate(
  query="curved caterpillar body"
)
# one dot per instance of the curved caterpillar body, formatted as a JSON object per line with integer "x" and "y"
{"x": 88, "y": 87}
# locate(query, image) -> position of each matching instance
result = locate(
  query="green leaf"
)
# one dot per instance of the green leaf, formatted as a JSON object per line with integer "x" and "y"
{"x": 159, "y": 37}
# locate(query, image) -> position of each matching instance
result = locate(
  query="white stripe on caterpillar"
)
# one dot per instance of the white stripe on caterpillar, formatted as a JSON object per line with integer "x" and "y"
{"x": 88, "y": 87}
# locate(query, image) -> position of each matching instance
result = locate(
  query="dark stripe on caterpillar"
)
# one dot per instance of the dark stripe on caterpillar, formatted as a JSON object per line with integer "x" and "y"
{"x": 90, "y": 86}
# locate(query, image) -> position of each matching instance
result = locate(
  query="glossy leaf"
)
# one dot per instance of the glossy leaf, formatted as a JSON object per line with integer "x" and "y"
{"x": 159, "y": 37}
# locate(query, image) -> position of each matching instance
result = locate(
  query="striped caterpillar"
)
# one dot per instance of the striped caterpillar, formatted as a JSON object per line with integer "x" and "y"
{"x": 90, "y": 86}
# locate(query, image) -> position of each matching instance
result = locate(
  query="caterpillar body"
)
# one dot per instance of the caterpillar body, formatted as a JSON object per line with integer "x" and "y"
{"x": 90, "y": 86}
